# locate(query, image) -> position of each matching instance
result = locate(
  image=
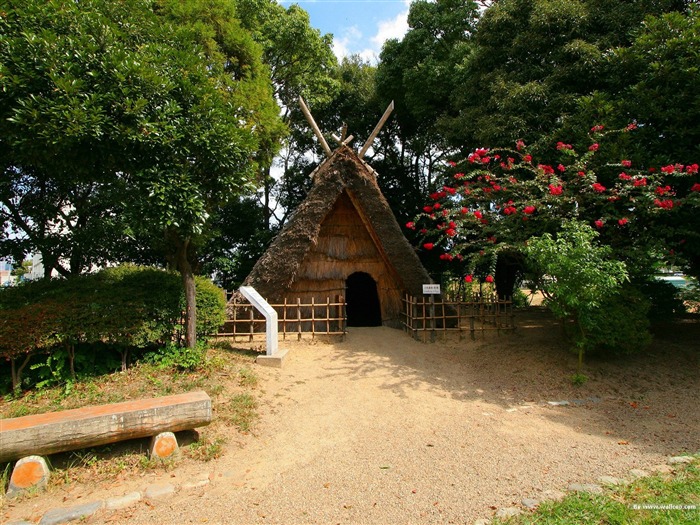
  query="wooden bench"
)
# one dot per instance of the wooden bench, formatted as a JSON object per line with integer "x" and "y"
{"x": 53, "y": 432}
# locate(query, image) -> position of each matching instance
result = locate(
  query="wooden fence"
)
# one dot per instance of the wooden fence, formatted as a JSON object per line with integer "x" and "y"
{"x": 296, "y": 318}
{"x": 478, "y": 313}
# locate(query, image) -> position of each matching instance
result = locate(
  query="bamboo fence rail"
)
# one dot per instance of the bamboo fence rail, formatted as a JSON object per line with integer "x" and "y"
{"x": 294, "y": 318}
{"x": 423, "y": 315}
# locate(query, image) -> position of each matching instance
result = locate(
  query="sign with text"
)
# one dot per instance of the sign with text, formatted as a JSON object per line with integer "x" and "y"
{"x": 429, "y": 289}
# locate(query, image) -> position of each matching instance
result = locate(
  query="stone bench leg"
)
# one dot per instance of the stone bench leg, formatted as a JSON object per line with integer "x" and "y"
{"x": 163, "y": 446}
{"x": 30, "y": 473}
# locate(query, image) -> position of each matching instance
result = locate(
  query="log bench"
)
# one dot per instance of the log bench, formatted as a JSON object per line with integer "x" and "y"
{"x": 53, "y": 432}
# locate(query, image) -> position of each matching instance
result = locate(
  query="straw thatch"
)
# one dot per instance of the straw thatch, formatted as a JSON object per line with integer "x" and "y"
{"x": 343, "y": 226}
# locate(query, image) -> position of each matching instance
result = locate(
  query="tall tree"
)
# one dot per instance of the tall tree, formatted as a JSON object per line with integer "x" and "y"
{"x": 155, "y": 110}
{"x": 534, "y": 60}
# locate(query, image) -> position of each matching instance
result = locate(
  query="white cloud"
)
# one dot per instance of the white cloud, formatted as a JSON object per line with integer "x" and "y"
{"x": 345, "y": 44}
{"x": 352, "y": 41}
{"x": 393, "y": 28}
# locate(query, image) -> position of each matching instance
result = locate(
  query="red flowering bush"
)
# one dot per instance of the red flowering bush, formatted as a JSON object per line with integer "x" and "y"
{"x": 494, "y": 200}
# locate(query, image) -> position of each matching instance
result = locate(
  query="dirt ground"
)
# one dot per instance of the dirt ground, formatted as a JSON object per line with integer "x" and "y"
{"x": 382, "y": 429}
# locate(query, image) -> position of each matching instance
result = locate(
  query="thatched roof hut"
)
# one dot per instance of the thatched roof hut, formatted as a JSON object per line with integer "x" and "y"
{"x": 342, "y": 241}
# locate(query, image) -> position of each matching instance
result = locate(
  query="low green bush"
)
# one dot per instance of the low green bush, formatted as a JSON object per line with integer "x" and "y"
{"x": 122, "y": 310}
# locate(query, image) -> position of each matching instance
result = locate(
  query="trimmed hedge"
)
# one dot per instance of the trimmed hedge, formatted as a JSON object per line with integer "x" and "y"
{"x": 125, "y": 308}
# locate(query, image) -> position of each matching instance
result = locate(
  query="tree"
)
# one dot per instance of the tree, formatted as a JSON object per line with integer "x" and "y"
{"x": 577, "y": 277}
{"x": 495, "y": 200}
{"x": 301, "y": 63}
{"x": 145, "y": 116}
{"x": 533, "y": 61}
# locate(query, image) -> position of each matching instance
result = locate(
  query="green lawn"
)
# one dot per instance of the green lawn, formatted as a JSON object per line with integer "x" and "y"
{"x": 663, "y": 499}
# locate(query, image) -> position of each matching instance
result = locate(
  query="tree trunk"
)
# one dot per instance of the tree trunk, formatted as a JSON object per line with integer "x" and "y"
{"x": 508, "y": 270}
{"x": 267, "y": 190}
{"x": 16, "y": 371}
{"x": 187, "y": 274}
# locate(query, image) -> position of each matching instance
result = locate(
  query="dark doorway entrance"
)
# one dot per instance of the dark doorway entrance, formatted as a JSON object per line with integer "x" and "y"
{"x": 363, "y": 301}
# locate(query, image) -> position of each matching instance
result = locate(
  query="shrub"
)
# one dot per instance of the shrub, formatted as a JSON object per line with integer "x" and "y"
{"x": 578, "y": 278}
{"x": 622, "y": 324}
{"x": 211, "y": 307}
{"x": 124, "y": 309}
{"x": 664, "y": 300}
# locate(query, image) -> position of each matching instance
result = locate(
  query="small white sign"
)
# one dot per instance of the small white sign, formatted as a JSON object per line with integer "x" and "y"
{"x": 431, "y": 289}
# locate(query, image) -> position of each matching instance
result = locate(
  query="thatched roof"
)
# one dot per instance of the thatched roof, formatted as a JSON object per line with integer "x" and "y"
{"x": 343, "y": 171}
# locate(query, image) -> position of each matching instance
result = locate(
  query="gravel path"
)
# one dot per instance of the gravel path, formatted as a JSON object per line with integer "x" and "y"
{"x": 381, "y": 429}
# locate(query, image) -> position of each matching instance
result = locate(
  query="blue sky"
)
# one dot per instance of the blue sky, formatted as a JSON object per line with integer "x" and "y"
{"x": 358, "y": 26}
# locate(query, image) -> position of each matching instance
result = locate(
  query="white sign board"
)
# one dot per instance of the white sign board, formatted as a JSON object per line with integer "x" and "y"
{"x": 264, "y": 308}
{"x": 431, "y": 289}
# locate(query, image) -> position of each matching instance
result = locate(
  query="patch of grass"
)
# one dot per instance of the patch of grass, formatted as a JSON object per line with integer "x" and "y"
{"x": 227, "y": 375}
{"x": 579, "y": 379}
{"x": 243, "y": 411}
{"x": 206, "y": 448}
{"x": 639, "y": 503}
{"x": 247, "y": 378}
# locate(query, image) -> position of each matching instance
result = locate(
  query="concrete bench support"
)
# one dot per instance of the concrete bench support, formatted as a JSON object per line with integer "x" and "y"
{"x": 30, "y": 472}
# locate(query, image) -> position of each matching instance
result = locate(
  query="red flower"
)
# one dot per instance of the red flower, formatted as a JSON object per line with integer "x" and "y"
{"x": 519, "y": 145}
{"x": 411, "y": 225}
{"x": 527, "y": 158}
{"x": 452, "y": 163}
{"x": 451, "y": 232}
{"x": 626, "y": 163}
{"x": 529, "y": 210}
{"x": 622, "y": 222}
{"x": 581, "y": 174}
{"x": 598, "y": 224}
{"x": 436, "y": 206}
{"x": 459, "y": 175}
{"x": 423, "y": 231}
{"x": 464, "y": 211}
{"x": 478, "y": 214}
{"x": 548, "y": 170}
{"x": 691, "y": 168}
{"x": 489, "y": 279}
{"x": 468, "y": 279}
{"x": 668, "y": 169}
{"x": 631, "y": 126}
{"x": 428, "y": 246}
{"x": 597, "y": 127}
{"x": 561, "y": 168}
{"x": 561, "y": 146}
{"x": 598, "y": 187}
{"x": 640, "y": 182}
{"x": 556, "y": 190}
{"x": 663, "y": 190}
{"x": 624, "y": 176}
{"x": 593, "y": 147}
{"x": 666, "y": 204}
{"x": 696, "y": 187}
{"x": 427, "y": 209}
{"x": 509, "y": 210}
